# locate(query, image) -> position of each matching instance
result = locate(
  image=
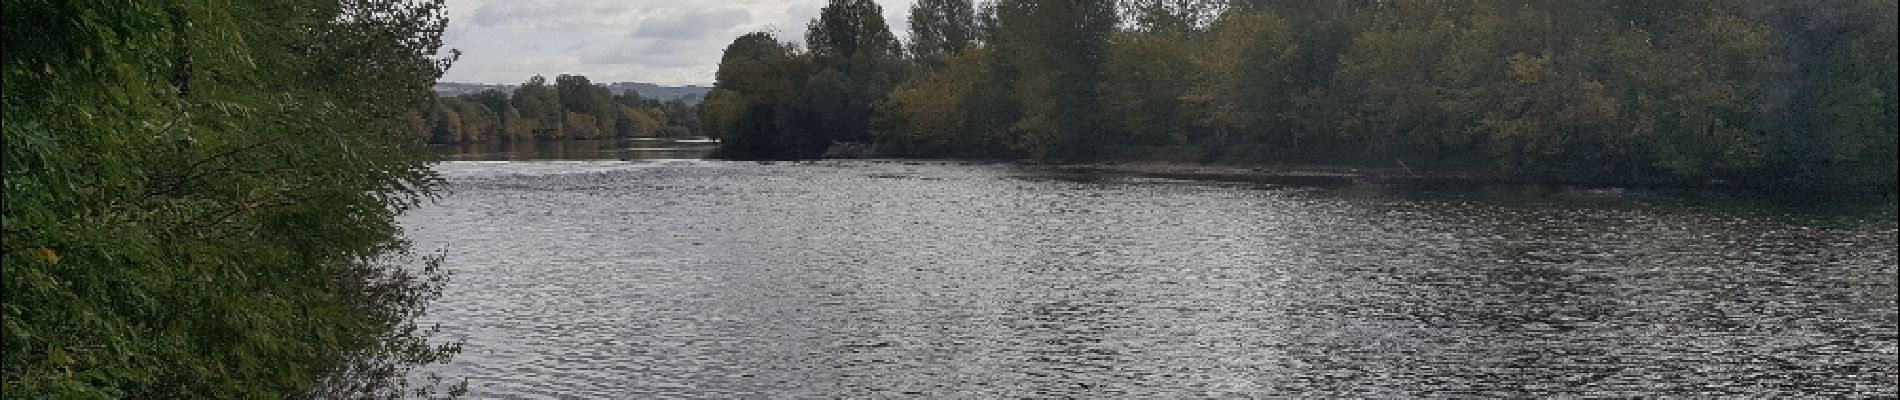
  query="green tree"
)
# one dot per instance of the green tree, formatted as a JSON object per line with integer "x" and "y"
{"x": 1144, "y": 88}
{"x": 1056, "y": 53}
{"x": 584, "y": 105}
{"x": 858, "y": 61}
{"x": 515, "y": 127}
{"x": 939, "y": 28}
{"x": 757, "y": 77}
{"x": 941, "y": 112}
{"x": 1415, "y": 79}
{"x": 1768, "y": 93}
{"x": 445, "y": 124}
{"x": 1833, "y": 103}
{"x": 495, "y": 101}
{"x": 1241, "y": 82}
{"x": 850, "y": 34}
{"x": 681, "y": 119}
{"x": 580, "y": 126}
{"x": 540, "y": 107}
{"x": 200, "y": 197}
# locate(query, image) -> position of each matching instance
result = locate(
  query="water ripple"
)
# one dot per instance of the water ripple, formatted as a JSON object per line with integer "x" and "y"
{"x": 884, "y": 279}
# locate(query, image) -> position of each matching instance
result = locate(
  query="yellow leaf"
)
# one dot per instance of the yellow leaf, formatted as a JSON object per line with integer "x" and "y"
{"x": 46, "y": 255}
{"x": 64, "y": 360}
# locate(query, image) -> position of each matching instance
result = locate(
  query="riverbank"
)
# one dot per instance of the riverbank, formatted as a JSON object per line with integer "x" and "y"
{"x": 1256, "y": 163}
{"x": 1314, "y": 175}
{"x": 1246, "y": 163}
{"x": 1410, "y": 179}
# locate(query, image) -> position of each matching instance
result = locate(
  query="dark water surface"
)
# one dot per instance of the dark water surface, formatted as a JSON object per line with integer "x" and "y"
{"x": 612, "y": 279}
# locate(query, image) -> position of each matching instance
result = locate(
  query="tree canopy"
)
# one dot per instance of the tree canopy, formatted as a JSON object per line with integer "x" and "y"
{"x": 939, "y": 28}
{"x": 571, "y": 108}
{"x": 200, "y": 197}
{"x": 772, "y": 100}
{"x": 1771, "y": 94}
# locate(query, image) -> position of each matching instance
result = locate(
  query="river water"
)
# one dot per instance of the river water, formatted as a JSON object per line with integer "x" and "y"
{"x": 632, "y": 277}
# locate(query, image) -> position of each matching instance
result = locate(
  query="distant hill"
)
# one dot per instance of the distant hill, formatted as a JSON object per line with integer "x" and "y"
{"x": 691, "y": 94}
{"x": 452, "y": 89}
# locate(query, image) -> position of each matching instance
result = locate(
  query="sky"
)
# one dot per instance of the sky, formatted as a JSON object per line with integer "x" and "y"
{"x": 668, "y": 42}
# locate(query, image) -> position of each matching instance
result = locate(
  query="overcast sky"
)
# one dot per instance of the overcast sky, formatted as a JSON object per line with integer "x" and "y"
{"x": 669, "y": 42}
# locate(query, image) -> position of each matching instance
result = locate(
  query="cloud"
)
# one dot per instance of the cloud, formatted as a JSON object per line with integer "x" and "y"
{"x": 507, "y": 14}
{"x": 693, "y": 24}
{"x": 660, "y": 41}
{"x": 557, "y": 14}
{"x": 653, "y": 53}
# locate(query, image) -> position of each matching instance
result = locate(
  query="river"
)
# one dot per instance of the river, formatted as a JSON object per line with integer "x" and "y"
{"x": 636, "y": 274}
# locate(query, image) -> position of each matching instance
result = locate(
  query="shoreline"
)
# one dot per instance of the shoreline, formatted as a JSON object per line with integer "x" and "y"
{"x": 1305, "y": 175}
{"x": 1346, "y": 175}
{"x": 1319, "y": 175}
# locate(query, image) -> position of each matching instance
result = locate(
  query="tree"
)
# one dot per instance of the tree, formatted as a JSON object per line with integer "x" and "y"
{"x": 939, "y": 28}
{"x": 495, "y": 101}
{"x": 1411, "y": 77}
{"x": 1769, "y": 93}
{"x": 850, "y": 34}
{"x": 514, "y": 127}
{"x": 540, "y": 108}
{"x": 579, "y": 96}
{"x": 1055, "y": 51}
{"x": 1144, "y": 87}
{"x": 1834, "y": 102}
{"x": 200, "y": 195}
{"x": 1240, "y": 81}
{"x": 580, "y": 126}
{"x": 681, "y": 119}
{"x": 446, "y": 125}
{"x": 634, "y": 122}
{"x": 1701, "y": 128}
{"x": 942, "y": 112}
{"x": 757, "y": 77}
{"x": 858, "y": 61}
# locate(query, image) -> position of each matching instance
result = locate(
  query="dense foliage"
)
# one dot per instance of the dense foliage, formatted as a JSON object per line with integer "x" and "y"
{"x": 773, "y": 101}
{"x": 571, "y": 108}
{"x": 1767, "y": 93}
{"x": 199, "y": 197}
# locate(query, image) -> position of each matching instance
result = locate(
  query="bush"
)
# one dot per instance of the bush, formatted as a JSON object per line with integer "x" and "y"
{"x": 200, "y": 197}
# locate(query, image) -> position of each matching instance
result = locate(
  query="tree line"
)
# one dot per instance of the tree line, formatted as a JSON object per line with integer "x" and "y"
{"x": 200, "y": 197}
{"x": 1772, "y": 93}
{"x": 570, "y": 108}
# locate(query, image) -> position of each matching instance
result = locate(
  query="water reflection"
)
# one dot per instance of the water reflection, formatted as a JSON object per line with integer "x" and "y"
{"x": 612, "y": 149}
{"x": 888, "y": 279}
